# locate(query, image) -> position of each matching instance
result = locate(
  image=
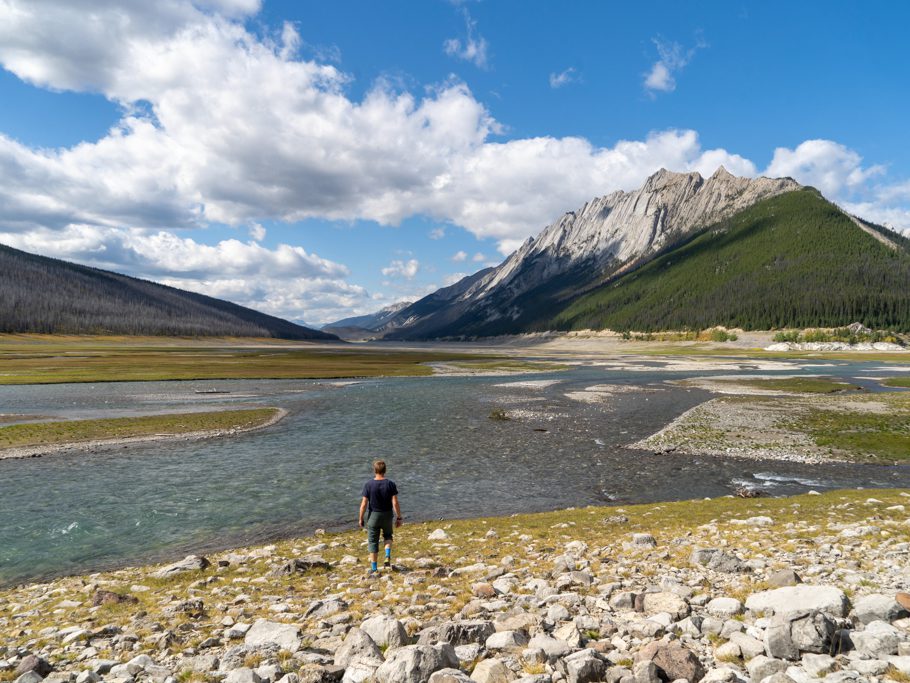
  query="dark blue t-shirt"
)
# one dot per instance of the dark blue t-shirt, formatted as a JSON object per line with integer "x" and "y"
{"x": 380, "y": 492}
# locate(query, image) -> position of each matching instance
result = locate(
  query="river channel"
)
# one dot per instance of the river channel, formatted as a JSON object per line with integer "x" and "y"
{"x": 125, "y": 505}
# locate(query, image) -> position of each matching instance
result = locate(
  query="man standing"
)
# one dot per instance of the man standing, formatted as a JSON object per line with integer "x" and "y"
{"x": 380, "y": 503}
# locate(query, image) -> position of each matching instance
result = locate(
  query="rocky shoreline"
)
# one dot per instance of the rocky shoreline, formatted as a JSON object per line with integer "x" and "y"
{"x": 21, "y": 452}
{"x": 721, "y": 591}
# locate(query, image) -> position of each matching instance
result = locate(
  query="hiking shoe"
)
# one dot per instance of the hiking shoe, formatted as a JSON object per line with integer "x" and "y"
{"x": 387, "y": 564}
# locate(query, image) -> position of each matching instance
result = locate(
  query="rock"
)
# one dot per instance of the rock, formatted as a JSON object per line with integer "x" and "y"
{"x": 871, "y": 608}
{"x": 779, "y": 677}
{"x": 761, "y": 667}
{"x": 357, "y": 643}
{"x": 552, "y": 647}
{"x": 87, "y": 677}
{"x": 673, "y": 659}
{"x": 264, "y": 632}
{"x": 644, "y": 540}
{"x": 194, "y": 609}
{"x": 360, "y": 669}
{"x": 438, "y": 535}
{"x": 483, "y": 590}
{"x": 646, "y": 672}
{"x": 415, "y": 663}
{"x": 200, "y": 663}
{"x": 727, "y": 652}
{"x": 903, "y": 599}
{"x": 718, "y": 560}
{"x": 102, "y": 597}
{"x": 449, "y": 676}
{"x": 300, "y": 565}
{"x": 457, "y": 633}
{"x": 583, "y": 666}
{"x": 624, "y": 600}
{"x": 721, "y": 675}
{"x": 492, "y": 671}
{"x": 724, "y": 608}
{"x": 385, "y": 631}
{"x": 749, "y": 646}
{"x": 784, "y": 577}
{"x": 878, "y": 640}
{"x": 902, "y": 664}
{"x": 671, "y": 603}
{"x": 29, "y": 677}
{"x": 242, "y": 675}
{"x": 818, "y": 665}
{"x": 507, "y": 640}
{"x": 801, "y": 598}
{"x": 190, "y": 563}
{"x": 319, "y": 609}
{"x": 33, "y": 663}
{"x": 790, "y": 634}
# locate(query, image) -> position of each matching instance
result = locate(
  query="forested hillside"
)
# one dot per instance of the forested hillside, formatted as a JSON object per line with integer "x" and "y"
{"x": 44, "y": 295}
{"x": 794, "y": 260}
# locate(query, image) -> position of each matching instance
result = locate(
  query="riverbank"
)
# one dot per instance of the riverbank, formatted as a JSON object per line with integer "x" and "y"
{"x": 639, "y": 593}
{"x": 29, "y": 440}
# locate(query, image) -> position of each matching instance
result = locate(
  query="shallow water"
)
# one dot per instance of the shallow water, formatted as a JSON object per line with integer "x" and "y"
{"x": 131, "y": 504}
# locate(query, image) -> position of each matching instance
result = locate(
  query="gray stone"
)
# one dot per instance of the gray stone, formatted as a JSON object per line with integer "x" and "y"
{"x": 360, "y": 669}
{"x": 492, "y": 671}
{"x": 199, "y": 663}
{"x": 721, "y": 675}
{"x": 779, "y": 677}
{"x": 671, "y": 603}
{"x": 242, "y": 675}
{"x": 790, "y": 634}
{"x": 645, "y": 672}
{"x": 749, "y": 646}
{"x": 724, "y": 608}
{"x": 29, "y": 677}
{"x": 584, "y": 666}
{"x": 879, "y": 639}
{"x": 190, "y": 563}
{"x": 761, "y": 667}
{"x": 818, "y": 665}
{"x": 264, "y": 632}
{"x": 673, "y": 659}
{"x": 301, "y": 565}
{"x": 319, "y": 609}
{"x": 878, "y": 608}
{"x": 801, "y": 598}
{"x": 415, "y": 663}
{"x": 33, "y": 663}
{"x": 385, "y": 631}
{"x": 645, "y": 540}
{"x": 506, "y": 640}
{"x": 784, "y": 577}
{"x": 457, "y": 633}
{"x": 449, "y": 676}
{"x": 552, "y": 647}
{"x": 718, "y": 560}
{"x": 357, "y": 644}
{"x": 902, "y": 664}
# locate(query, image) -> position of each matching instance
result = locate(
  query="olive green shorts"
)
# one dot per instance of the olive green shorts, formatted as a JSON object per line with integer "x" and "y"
{"x": 376, "y": 522}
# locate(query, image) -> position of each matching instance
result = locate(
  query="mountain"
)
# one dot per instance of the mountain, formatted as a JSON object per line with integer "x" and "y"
{"x": 365, "y": 326}
{"x": 45, "y": 295}
{"x": 606, "y": 237}
{"x": 790, "y": 261}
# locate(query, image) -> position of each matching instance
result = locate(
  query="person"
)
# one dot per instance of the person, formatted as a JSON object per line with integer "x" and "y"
{"x": 380, "y": 505}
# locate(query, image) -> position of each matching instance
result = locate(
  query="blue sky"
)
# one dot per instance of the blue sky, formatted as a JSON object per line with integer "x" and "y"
{"x": 321, "y": 159}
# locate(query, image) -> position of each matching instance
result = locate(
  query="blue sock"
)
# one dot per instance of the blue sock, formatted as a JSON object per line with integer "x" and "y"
{"x": 373, "y": 566}
{"x": 388, "y": 553}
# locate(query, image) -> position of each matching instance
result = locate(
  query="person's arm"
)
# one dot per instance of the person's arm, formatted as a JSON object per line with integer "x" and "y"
{"x": 363, "y": 508}
{"x": 397, "y": 509}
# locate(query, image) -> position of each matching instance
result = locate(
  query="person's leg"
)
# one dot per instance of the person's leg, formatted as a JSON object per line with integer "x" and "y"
{"x": 372, "y": 541}
{"x": 388, "y": 527}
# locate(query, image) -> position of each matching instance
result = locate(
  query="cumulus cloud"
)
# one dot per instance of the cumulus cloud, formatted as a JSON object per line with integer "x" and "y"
{"x": 257, "y": 232}
{"x": 478, "y": 257}
{"x": 829, "y": 166}
{"x": 557, "y": 80}
{"x": 472, "y": 48}
{"x": 453, "y": 278}
{"x": 403, "y": 269}
{"x": 460, "y": 256}
{"x": 437, "y": 233}
{"x": 672, "y": 58}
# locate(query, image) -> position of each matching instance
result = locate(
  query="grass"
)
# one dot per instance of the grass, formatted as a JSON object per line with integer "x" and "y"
{"x": 75, "y": 431}
{"x": 902, "y": 382}
{"x": 863, "y": 435}
{"x": 800, "y": 385}
{"x": 46, "y": 360}
{"x": 510, "y": 365}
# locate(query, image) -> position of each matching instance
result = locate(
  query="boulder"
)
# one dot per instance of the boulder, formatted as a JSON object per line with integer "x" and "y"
{"x": 818, "y": 665}
{"x": 263, "y": 633}
{"x": 29, "y": 677}
{"x": 507, "y": 640}
{"x": 360, "y": 669}
{"x": 718, "y": 560}
{"x": 724, "y": 608}
{"x": 319, "y": 609}
{"x": 385, "y": 631}
{"x": 878, "y": 640}
{"x": 871, "y": 608}
{"x": 300, "y": 565}
{"x": 415, "y": 663}
{"x": 103, "y": 597}
{"x": 673, "y": 659}
{"x": 242, "y": 675}
{"x": 800, "y": 598}
{"x": 671, "y": 603}
{"x": 552, "y": 647}
{"x": 761, "y": 667}
{"x": 644, "y": 540}
{"x": 438, "y": 535}
{"x": 492, "y": 671}
{"x": 642, "y": 672}
{"x": 749, "y": 646}
{"x": 583, "y": 666}
{"x": 449, "y": 676}
{"x": 357, "y": 643}
{"x": 33, "y": 663}
{"x": 784, "y": 577}
{"x": 190, "y": 563}
{"x": 790, "y": 634}
{"x": 457, "y": 633}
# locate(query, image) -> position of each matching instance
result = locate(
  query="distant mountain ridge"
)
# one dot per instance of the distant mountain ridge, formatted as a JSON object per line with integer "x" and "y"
{"x": 50, "y": 296}
{"x": 582, "y": 249}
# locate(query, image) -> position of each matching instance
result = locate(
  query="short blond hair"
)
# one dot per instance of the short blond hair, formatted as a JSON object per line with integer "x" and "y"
{"x": 379, "y": 466}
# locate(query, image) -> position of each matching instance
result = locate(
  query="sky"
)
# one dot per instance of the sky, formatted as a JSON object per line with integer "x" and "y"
{"x": 316, "y": 160}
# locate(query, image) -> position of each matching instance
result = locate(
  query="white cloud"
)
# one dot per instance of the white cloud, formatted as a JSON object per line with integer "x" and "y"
{"x": 672, "y": 58}
{"x": 478, "y": 257}
{"x": 404, "y": 269}
{"x": 460, "y": 256}
{"x": 257, "y": 232}
{"x": 453, "y": 278}
{"x": 474, "y": 46}
{"x": 437, "y": 233}
{"x": 829, "y": 166}
{"x": 557, "y": 80}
